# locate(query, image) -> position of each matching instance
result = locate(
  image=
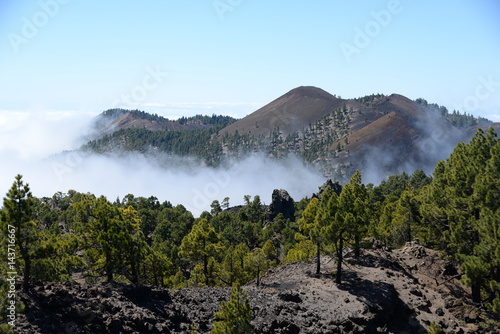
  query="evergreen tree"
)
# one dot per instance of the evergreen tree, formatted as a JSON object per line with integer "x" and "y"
{"x": 225, "y": 203}
{"x": 233, "y": 267}
{"x": 215, "y": 207}
{"x": 270, "y": 252}
{"x": 257, "y": 263}
{"x": 17, "y": 212}
{"x": 156, "y": 267}
{"x": 111, "y": 236}
{"x": 304, "y": 249}
{"x": 383, "y": 229}
{"x": 406, "y": 217}
{"x": 336, "y": 230}
{"x": 461, "y": 202}
{"x": 235, "y": 315}
{"x": 132, "y": 242}
{"x": 354, "y": 200}
{"x": 201, "y": 244}
{"x": 309, "y": 224}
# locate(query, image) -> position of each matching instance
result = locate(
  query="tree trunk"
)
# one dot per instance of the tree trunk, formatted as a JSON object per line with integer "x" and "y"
{"x": 26, "y": 274}
{"x": 476, "y": 292}
{"x": 258, "y": 276}
{"x": 408, "y": 235}
{"x": 109, "y": 268}
{"x": 357, "y": 247}
{"x": 155, "y": 275}
{"x": 318, "y": 264}
{"x": 135, "y": 274}
{"x": 134, "y": 279}
{"x": 109, "y": 275}
{"x": 205, "y": 268}
{"x": 338, "y": 275}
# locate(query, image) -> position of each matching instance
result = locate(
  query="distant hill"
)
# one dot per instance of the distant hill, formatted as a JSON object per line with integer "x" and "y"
{"x": 291, "y": 112}
{"x": 377, "y": 134}
{"x": 133, "y": 130}
{"x": 406, "y": 136}
{"x": 117, "y": 119}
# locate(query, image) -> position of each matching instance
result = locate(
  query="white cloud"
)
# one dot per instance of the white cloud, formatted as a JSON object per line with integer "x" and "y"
{"x": 29, "y": 143}
{"x": 36, "y": 134}
{"x": 493, "y": 117}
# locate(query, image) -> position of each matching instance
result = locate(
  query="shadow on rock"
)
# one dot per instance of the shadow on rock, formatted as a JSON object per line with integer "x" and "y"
{"x": 384, "y": 308}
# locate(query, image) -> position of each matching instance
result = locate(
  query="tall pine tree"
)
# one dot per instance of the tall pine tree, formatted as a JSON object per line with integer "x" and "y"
{"x": 17, "y": 212}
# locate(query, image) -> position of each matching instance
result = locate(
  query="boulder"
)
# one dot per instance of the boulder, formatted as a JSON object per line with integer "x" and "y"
{"x": 282, "y": 203}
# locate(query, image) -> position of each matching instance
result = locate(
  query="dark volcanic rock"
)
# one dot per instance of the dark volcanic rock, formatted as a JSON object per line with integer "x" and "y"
{"x": 290, "y": 297}
{"x": 289, "y": 300}
{"x": 282, "y": 203}
{"x": 336, "y": 187}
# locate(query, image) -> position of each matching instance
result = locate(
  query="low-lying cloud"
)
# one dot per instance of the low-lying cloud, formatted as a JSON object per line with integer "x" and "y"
{"x": 33, "y": 145}
{"x": 435, "y": 141}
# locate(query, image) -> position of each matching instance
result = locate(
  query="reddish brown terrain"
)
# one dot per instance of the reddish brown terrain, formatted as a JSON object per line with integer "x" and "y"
{"x": 291, "y": 112}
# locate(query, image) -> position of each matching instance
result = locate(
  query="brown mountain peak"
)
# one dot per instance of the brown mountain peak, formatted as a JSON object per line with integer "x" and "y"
{"x": 290, "y": 112}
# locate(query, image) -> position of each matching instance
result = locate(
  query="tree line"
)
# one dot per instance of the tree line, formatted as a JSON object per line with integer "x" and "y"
{"x": 76, "y": 236}
{"x": 319, "y": 143}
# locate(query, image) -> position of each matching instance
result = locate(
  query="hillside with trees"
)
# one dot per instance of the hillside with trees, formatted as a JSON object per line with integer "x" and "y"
{"x": 378, "y": 135}
{"x": 77, "y": 238}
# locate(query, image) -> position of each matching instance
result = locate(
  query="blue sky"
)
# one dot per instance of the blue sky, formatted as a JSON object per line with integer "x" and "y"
{"x": 180, "y": 58}
{"x": 64, "y": 61}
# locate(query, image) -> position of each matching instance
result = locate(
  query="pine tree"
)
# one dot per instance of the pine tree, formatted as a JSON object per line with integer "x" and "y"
{"x": 336, "y": 229}
{"x": 201, "y": 244}
{"x": 383, "y": 229}
{"x": 487, "y": 185}
{"x": 309, "y": 224}
{"x": 215, "y": 208}
{"x": 460, "y": 202}
{"x": 348, "y": 218}
{"x": 225, "y": 203}
{"x": 235, "y": 315}
{"x": 464, "y": 167}
{"x": 270, "y": 252}
{"x": 17, "y": 211}
{"x": 111, "y": 236}
{"x": 406, "y": 217}
{"x": 132, "y": 242}
{"x": 233, "y": 267}
{"x": 257, "y": 263}
{"x": 156, "y": 267}
{"x": 359, "y": 209}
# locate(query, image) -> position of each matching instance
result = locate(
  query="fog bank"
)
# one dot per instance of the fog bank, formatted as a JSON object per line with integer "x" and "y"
{"x": 178, "y": 180}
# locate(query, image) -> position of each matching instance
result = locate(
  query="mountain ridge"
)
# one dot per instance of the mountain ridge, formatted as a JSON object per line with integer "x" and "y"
{"x": 377, "y": 134}
{"x": 290, "y": 112}
{"x": 113, "y": 120}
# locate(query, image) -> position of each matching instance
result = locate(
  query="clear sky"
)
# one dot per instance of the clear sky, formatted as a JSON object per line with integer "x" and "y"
{"x": 233, "y": 56}
{"x": 64, "y": 61}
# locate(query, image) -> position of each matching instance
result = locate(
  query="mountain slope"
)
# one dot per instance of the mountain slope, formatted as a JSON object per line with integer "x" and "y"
{"x": 379, "y": 135}
{"x": 409, "y": 136}
{"x": 290, "y": 112}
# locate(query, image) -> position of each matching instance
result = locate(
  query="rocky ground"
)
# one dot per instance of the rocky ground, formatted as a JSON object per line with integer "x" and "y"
{"x": 402, "y": 291}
